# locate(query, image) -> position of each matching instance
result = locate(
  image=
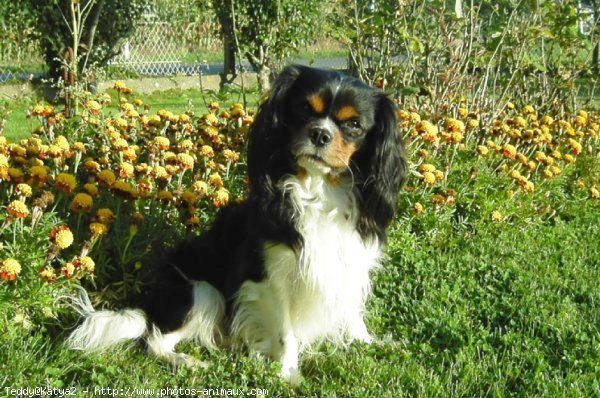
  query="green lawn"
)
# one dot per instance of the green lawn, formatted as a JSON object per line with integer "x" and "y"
{"x": 507, "y": 311}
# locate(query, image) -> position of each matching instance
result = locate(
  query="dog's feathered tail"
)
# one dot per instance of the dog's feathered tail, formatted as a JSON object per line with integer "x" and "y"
{"x": 101, "y": 330}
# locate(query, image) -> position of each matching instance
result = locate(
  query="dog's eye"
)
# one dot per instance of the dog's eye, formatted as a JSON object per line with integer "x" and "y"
{"x": 352, "y": 125}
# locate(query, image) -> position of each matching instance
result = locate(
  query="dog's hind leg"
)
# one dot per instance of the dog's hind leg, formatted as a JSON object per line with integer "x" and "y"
{"x": 202, "y": 324}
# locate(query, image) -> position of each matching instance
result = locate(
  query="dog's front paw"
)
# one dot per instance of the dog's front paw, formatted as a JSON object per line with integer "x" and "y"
{"x": 291, "y": 375}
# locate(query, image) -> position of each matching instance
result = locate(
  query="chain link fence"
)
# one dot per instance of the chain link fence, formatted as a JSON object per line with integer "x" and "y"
{"x": 159, "y": 47}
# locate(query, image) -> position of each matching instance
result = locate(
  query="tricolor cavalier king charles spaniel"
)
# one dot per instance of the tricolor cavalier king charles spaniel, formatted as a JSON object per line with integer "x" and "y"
{"x": 289, "y": 266}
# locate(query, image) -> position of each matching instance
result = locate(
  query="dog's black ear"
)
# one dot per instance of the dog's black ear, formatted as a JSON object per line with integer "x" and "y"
{"x": 380, "y": 165}
{"x": 266, "y": 138}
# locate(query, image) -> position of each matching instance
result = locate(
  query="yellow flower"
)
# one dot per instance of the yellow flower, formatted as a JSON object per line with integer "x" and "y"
{"x": 207, "y": 151}
{"x": 230, "y": 155}
{"x": 9, "y": 269}
{"x": 126, "y": 170}
{"x": 426, "y": 127}
{"x": 162, "y": 143}
{"x": 418, "y": 208}
{"x": 159, "y": 172}
{"x": 120, "y": 86}
{"x": 86, "y": 264}
{"x": 528, "y": 110}
{"x": 472, "y": 124}
{"x": 482, "y": 150}
{"x": 509, "y": 151}
{"x": 185, "y": 161}
{"x": 91, "y": 189}
{"x": 575, "y": 146}
{"x": 62, "y": 237}
{"x": 496, "y": 216}
{"x": 107, "y": 177}
{"x": 48, "y": 274}
{"x": 65, "y": 182}
{"x": 189, "y": 197}
{"x": 124, "y": 189}
{"x": 17, "y": 209}
{"x": 453, "y": 125}
{"x": 23, "y": 190}
{"x": 68, "y": 269}
{"x": 595, "y": 192}
{"x": 200, "y": 188}
{"x": 215, "y": 180}
{"x": 429, "y": 178}
{"x": 164, "y": 196}
{"x": 98, "y": 229}
{"x": 221, "y": 197}
{"x": 426, "y": 167}
{"x": 93, "y": 107}
{"x": 82, "y": 201}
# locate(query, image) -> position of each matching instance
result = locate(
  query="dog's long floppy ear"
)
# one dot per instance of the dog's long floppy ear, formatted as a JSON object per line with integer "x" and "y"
{"x": 380, "y": 165}
{"x": 267, "y": 138}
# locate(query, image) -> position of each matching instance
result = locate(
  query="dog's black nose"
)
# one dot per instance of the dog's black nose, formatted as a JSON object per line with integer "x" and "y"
{"x": 319, "y": 136}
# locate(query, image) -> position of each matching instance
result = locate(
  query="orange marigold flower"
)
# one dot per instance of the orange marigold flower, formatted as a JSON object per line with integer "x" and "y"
{"x": 200, "y": 188}
{"x": 575, "y": 146}
{"x": 91, "y": 189}
{"x": 68, "y": 269}
{"x": 454, "y": 125}
{"x": 23, "y": 189}
{"x": 48, "y": 274}
{"x": 65, "y": 182}
{"x": 185, "y": 161}
{"x": 61, "y": 236}
{"x": 93, "y": 107}
{"x": 126, "y": 170}
{"x": 82, "y": 201}
{"x": 124, "y": 189}
{"x": 496, "y": 216}
{"x": 193, "y": 221}
{"x": 106, "y": 178}
{"x": 98, "y": 229}
{"x": 17, "y": 209}
{"x": 509, "y": 151}
{"x": 221, "y": 197}
{"x": 418, "y": 208}
{"x": 162, "y": 143}
{"x": 85, "y": 263}
{"x": 215, "y": 180}
{"x": 164, "y": 196}
{"x": 482, "y": 150}
{"x": 426, "y": 167}
{"x": 230, "y": 155}
{"x": 429, "y": 178}
{"x": 9, "y": 269}
{"x": 207, "y": 151}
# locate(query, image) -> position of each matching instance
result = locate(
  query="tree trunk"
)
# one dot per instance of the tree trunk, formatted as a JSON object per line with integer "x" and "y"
{"x": 264, "y": 78}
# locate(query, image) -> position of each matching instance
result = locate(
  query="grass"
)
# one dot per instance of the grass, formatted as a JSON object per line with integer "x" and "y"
{"x": 509, "y": 311}
{"x": 462, "y": 307}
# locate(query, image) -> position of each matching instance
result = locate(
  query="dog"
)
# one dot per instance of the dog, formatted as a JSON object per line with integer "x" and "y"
{"x": 289, "y": 266}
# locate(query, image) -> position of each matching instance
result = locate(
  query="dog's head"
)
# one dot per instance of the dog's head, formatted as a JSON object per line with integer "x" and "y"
{"x": 326, "y": 124}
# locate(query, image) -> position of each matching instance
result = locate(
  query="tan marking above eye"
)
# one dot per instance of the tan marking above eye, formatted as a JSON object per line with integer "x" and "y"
{"x": 346, "y": 112}
{"x": 317, "y": 103}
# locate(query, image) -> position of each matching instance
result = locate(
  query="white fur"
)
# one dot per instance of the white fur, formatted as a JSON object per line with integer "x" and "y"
{"x": 102, "y": 329}
{"x": 203, "y": 325}
{"x": 316, "y": 294}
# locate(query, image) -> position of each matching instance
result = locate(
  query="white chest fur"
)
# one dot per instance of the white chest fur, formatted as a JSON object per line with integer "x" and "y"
{"x": 328, "y": 280}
